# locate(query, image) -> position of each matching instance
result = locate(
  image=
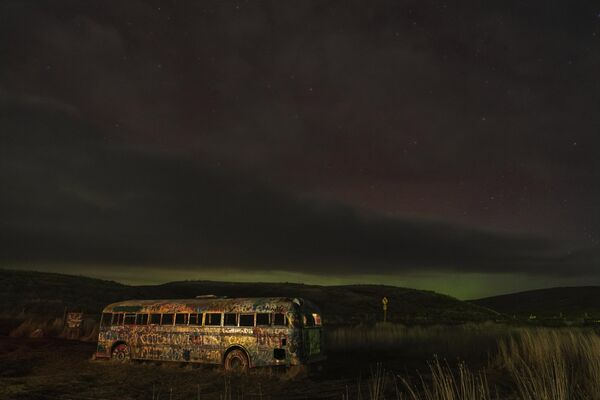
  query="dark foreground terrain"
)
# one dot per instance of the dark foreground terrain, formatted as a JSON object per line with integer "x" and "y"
{"x": 62, "y": 369}
{"x": 470, "y": 362}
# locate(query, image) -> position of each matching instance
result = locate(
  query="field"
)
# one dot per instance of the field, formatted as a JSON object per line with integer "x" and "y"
{"x": 471, "y": 361}
{"x": 435, "y": 348}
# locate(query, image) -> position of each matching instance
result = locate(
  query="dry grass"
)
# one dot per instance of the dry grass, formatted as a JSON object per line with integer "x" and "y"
{"x": 444, "y": 383}
{"x": 449, "y": 384}
{"x": 553, "y": 364}
{"x": 528, "y": 363}
{"x": 467, "y": 341}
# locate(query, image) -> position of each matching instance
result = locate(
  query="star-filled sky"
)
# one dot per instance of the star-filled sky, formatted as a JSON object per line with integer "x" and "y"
{"x": 444, "y": 145}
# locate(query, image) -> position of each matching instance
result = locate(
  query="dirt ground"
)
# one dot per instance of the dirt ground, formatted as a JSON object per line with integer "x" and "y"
{"x": 62, "y": 369}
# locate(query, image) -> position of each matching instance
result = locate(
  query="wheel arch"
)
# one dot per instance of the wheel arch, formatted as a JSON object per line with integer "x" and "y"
{"x": 237, "y": 347}
{"x": 118, "y": 343}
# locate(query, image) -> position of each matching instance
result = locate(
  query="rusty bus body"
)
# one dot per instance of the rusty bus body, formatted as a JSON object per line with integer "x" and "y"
{"x": 237, "y": 332}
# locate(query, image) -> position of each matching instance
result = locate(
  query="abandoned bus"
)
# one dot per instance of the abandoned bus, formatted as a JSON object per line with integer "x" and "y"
{"x": 238, "y": 333}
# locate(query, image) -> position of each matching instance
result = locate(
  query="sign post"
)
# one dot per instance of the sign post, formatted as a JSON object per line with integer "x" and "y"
{"x": 384, "y": 301}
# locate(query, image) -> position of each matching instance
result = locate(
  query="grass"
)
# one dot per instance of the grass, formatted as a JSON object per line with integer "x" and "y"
{"x": 466, "y": 341}
{"x": 525, "y": 363}
{"x": 553, "y": 365}
{"x": 466, "y": 362}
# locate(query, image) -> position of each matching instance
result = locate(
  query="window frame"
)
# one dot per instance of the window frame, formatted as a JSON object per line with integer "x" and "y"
{"x": 198, "y": 319}
{"x": 268, "y": 317}
{"x": 141, "y": 320}
{"x": 205, "y": 319}
{"x": 253, "y": 315}
{"x": 235, "y": 315}
{"x": 119, "y": 319}
{"x": 151, "y": 319}
{"x": 129, "y": 319}
{"x": 285, "y": 320}
{"x": 162, "y": 318}
{"x": 186, "y": 319}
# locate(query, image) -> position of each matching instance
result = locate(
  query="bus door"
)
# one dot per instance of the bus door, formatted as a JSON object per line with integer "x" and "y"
{"x": 311, "y": 336}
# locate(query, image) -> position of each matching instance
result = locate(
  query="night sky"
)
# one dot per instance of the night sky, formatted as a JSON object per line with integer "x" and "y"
{"x": 444, "y": 145}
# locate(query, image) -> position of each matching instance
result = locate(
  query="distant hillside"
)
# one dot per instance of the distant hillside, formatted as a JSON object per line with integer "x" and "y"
{"x": 572, "y": 302}
{"x": 26, "y": 293}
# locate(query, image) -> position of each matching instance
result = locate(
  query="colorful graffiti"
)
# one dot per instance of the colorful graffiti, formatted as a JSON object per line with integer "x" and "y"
{"x": 171, "y": 336}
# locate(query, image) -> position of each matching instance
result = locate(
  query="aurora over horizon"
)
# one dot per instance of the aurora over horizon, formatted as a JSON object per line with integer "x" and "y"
{"x": 437, "y": 145}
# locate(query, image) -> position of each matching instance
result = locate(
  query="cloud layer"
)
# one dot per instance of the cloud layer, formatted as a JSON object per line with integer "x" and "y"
{"x": 319, "y": 138}
{"x": 70, "y": 197}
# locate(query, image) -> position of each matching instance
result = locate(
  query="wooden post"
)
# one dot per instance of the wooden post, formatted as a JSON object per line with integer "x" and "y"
{"x": 384, "y": 301}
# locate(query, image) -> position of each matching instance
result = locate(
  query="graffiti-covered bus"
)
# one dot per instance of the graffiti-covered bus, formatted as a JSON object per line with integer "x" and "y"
{"x": 238, "y": 333}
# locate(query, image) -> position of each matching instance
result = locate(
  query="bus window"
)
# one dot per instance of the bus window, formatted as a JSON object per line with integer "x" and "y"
{"x": 141, "y": 319}
{"x": 212, "y": 319}
{"x": 129, "y": 319}
{"x": 106, "y": 318}
{"x": 117, "y": 319}
{"x": 308, "y": 320}
{"x": 263, "y": 319}
{"x": 154, "y": 319}
{"x": 279, "y": 319}
{"x": 195, "y": 319}
{"x": 167, "y": 319}
{"x": 246, "y": 319}
{"x": 317, "y": 319}
{"x": 230, "y": 319}
{"x": 181, "y": 319}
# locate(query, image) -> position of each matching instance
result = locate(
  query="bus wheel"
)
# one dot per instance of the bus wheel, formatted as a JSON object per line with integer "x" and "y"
{"x": 236, "y": 361}
{"x": 121, "y": 353}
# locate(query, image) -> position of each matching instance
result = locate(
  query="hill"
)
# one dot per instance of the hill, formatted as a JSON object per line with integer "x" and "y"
{"x": 37, "y": 293}
{"x": 572, "y": 302}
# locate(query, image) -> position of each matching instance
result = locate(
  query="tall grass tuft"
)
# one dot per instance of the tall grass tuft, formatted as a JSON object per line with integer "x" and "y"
{"x": 447, "y": 384}
{"x": 552, "y": 364}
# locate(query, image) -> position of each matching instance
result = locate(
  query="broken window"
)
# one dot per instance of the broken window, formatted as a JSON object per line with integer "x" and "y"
{"x": 263, "y": 319}
{"x": 246, "y": 319}
{"x": 155, "y": 319}
{"x": 167, "y": 319}
{"x": 279, "y": 319}
{"x": 129, "y": 319}
{"x": 106, "y": 319}
{"x": 212, "y": 319}
{"x": 141, "y": 319}
{"x": 230, "y": 319}
{"x": 181, "y": 319}
{"x": 195, "y": 319}
{"x": 117, "y": 319}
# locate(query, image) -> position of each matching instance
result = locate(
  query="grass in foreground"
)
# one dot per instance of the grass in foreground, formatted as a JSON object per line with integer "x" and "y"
{"x": 526, "y": 363}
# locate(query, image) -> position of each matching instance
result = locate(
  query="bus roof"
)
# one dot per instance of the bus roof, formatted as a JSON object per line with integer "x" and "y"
{"x": 210, "y": 304}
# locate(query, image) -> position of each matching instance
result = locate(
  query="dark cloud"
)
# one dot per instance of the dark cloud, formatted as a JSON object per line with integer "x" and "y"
{"x": 312, "y": 137}
{"x": 71, "y": 197}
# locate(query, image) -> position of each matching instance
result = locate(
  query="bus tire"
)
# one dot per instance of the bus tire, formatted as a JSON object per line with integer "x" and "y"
{"x": 236, "y": 360}
{"x": 121, "y": 353}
